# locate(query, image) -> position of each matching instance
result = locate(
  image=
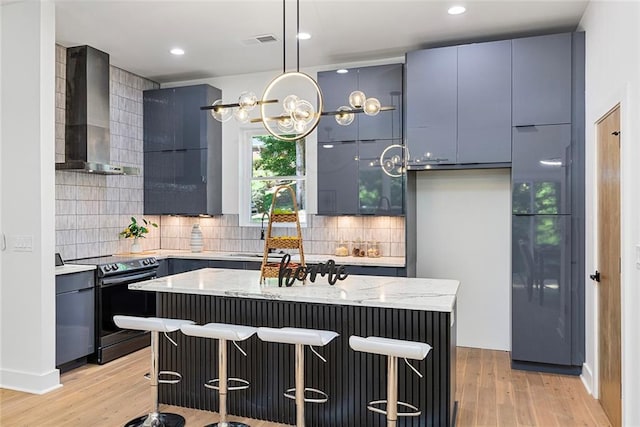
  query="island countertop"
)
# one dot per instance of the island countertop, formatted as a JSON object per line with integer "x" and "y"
{"x": 372, "y": 291}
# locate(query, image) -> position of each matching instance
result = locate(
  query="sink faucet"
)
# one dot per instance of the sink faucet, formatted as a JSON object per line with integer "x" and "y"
{"x": 265, "y": 214}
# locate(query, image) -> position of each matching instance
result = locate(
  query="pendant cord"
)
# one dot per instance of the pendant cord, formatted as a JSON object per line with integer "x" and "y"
{"x": 298, "y": 35}
{"x": 284, "y": 37}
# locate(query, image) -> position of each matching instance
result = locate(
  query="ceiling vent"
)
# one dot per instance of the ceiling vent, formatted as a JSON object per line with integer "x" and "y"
{"x": 255, "y": 40}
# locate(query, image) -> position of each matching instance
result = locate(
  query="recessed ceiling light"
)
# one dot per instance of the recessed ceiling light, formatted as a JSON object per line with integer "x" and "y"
{"x": 342, "y": 71}
{"x": 304, "y": 36}
{"x": 177, "y": 51}
{"x": 456, "y": 10}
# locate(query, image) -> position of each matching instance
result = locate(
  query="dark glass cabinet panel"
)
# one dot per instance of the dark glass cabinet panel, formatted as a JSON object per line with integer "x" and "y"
{"x": 335, "y": 91}
{"x": 541, "y": 170}
{"x": 383, "y": 82}
{"x": 380, "y": 179}
{"x": 431, "y": 96}
{"x": 338, "y": 178}
{"x": 484, "y": 102}
{"x": 542, "y": 80}
{"x": 541, "y": 289}
{"x": 183, "y": 147}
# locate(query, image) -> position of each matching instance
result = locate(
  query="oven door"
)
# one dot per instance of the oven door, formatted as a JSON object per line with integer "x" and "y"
{"x": 115, "y": 297}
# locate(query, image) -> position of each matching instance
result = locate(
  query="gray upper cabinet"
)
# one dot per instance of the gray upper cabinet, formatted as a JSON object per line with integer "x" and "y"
{"x": 431, "y": 116}
{"x": 542, "y": 80}
{"x": 182, "y": 152}
{"x": 338, "y": 178}
{"x": 335, "y": 91}
{"x": 484, "y": 102}
{"x": 383, "y": 82}
{"x": 459, "y": 105}
{"x": 380, "y": 186}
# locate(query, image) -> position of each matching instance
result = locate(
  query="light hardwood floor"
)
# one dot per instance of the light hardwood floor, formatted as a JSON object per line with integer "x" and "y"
{"x": 489, "y": 394}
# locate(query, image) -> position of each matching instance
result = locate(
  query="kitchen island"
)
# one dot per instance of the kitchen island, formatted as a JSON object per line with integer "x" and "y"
{"x": 402, "y": 308}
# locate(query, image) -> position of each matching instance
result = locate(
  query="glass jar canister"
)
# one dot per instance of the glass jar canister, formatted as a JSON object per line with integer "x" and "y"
{"x": 373, "y": 249}
{"x": 358, "y": 248}
{"x": 342, "y": 249}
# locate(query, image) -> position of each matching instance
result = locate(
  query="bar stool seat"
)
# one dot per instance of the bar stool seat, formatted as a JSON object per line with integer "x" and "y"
{"x": 155, "y": 325}
{"x": 223, "y": 332}
{"x": 300, "y": 337}
{"x": 393, "y": 349}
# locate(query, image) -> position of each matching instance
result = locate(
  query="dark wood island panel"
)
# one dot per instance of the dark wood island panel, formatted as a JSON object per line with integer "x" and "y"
{"x": 350, "y": 378}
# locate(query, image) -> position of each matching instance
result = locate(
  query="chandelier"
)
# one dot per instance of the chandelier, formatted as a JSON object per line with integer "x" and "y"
{"x": 288, "y": 115}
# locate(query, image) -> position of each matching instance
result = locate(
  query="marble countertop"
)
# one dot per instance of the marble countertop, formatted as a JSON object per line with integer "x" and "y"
{"x": 374, "y": 291}
{"x": 73, "y": 268}
{"x": 239, "y": 256}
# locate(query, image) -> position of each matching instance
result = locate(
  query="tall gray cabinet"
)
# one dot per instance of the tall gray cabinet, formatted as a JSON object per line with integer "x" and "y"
{"x": 547, "y": 293}
{"x": 182, "y": 152}
{"x": 352, "y": 177}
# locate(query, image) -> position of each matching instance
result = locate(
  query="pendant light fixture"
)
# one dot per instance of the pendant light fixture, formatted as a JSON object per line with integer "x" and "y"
{"x": 292, "y": 103}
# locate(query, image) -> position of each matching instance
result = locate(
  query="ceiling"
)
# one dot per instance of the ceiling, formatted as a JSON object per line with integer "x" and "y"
{"x": 139, "y": 34}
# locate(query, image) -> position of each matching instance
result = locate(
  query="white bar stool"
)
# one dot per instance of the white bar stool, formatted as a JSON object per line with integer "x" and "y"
{"x": 223, "y": 332}
{"x": 393, "y": 349}
{"x": 300, "y": 337}
{"x": 155, "y": 325}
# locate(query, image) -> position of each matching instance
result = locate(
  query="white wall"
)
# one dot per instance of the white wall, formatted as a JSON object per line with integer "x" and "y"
{"x": 464, "y": 233}
{"x": 231, "y": 87}
{"x": 613, "y": 76}
{"x": 27, "y": 307}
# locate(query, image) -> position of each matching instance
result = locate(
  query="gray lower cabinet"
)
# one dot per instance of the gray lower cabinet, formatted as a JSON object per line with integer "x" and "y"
{"x": 182, "y": 152}
{"x": 163, "y": 268}
{"x": 459, "y": 105}
{"x": 75, "y": 319}
{"x": 542, "y": 292}
{"x": 338, "y": 178}
{"x": 178, "y": 265}
{"x": 542, "y": 79}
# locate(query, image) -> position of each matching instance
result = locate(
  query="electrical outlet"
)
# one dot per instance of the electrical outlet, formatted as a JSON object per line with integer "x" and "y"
{"x": 23, "y": 243}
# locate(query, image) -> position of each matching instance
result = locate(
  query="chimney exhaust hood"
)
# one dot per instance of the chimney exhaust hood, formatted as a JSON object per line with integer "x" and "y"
{"x": 87, "y": 136}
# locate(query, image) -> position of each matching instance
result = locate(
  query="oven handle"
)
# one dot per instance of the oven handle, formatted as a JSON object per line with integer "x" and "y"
{"x": 128, "y": 279}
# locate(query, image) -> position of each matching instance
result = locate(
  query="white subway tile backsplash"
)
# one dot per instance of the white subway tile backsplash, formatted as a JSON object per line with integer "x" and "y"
{"x": 92, "y": 209}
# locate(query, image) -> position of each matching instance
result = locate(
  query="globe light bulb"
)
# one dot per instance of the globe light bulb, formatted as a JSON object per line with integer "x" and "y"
{"x": 247, "y": 100}
{"x": 300, "y": 127}
{"x": 241, "y": 115}
{"x": 345, "y": 117}
{"x": 289, "y": 103}
{"x": 357, "y": 99}
{"x": 219, "y": 113}
{"x": 371, "y": 106}
{"x": 285, "y": 124}
{"x": 303, "y": 112}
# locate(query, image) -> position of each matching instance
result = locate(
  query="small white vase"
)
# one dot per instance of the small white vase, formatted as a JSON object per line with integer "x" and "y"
{"x": 197, "y": 241}
{"x": 136, "y": 246}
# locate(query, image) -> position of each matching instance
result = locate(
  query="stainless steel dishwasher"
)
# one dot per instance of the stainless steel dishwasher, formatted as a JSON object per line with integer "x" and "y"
{"x": 75, "y": 318}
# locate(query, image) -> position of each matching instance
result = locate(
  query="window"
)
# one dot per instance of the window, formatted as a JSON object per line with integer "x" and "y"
{"x": 273, "y": 163}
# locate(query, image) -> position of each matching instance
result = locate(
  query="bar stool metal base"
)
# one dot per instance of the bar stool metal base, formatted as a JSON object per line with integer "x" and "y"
{"x": 162, "y": 419}
{"x": 228, "y": 424}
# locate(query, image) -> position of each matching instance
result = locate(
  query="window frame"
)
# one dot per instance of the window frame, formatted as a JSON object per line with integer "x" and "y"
{"x": 244, "y": 183}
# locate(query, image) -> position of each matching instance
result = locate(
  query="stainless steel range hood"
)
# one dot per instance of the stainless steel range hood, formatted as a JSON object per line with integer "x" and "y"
{"x": 87, "y": 136}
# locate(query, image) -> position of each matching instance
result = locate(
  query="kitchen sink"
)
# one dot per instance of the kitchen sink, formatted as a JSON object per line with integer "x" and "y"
{"x": 255, "y": 255}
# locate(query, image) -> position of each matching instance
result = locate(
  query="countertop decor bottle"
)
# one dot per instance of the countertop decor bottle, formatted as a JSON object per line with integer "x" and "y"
{"x": 197, "y": 240}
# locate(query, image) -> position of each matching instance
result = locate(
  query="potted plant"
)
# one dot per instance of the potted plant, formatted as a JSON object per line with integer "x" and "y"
{"x": 137, "y": 230}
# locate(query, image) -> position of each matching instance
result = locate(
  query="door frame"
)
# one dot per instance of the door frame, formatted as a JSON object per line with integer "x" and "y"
{"x": 590, "y": 374}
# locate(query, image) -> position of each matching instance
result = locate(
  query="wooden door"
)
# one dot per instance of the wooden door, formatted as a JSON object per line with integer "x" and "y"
{"x": 610, "y": 364}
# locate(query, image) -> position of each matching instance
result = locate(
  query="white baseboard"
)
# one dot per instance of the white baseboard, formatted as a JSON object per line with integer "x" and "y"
{"x": 29, "y": 382}
{"x": 587, "y": 379}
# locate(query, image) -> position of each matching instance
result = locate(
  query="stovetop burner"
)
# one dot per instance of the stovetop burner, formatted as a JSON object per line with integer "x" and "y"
{"x": 115, "y": 264}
